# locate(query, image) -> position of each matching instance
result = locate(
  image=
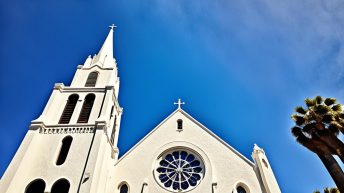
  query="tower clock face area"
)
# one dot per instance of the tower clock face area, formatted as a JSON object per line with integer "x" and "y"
{"x": 179, "y": 170}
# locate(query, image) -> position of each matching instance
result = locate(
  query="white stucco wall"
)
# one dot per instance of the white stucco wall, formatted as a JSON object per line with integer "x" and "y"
{"x": 39, "y": 160}
{"x": 223, "y": 165}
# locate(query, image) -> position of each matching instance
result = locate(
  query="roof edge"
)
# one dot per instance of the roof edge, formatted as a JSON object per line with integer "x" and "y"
{"x": 218, "y": 138}
{"x": 146, "y": 136}
{"x": 199, "y": 124}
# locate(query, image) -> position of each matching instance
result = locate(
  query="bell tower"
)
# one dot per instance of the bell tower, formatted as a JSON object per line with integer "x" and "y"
{"x": 73, "y": 143}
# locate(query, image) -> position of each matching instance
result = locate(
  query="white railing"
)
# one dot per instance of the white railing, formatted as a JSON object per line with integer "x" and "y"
{"x": 64, "y": 129}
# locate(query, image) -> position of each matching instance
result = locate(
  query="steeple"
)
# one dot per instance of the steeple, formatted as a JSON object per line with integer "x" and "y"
{"x": 105, "y": 58}
{"x": 83, "y": 123}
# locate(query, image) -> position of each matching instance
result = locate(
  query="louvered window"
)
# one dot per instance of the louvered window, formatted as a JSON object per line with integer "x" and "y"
{"x": 86, "y": 108}
{"x": 113, "y": 131}
{"x": 69, "y": 109}
{"x": 92, "y": 79}
{"x": 66, "y": 142}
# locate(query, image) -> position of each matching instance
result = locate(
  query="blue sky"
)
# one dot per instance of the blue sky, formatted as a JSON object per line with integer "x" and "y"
{"x": 240, "y": 66}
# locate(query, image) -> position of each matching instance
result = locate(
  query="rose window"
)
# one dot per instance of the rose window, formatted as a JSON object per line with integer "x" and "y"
{"x": 179, "y": 170}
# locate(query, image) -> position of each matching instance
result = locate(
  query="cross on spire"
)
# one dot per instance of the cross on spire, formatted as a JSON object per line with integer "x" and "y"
{"x": 179, "y": 103}
{"x": 112, "y": 26}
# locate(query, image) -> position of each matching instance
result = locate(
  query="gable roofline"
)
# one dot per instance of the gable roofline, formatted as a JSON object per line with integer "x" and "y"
{"x": 217, "y": 137}
{"x": 196, "y": 122}
{"x": 146, "y": 136}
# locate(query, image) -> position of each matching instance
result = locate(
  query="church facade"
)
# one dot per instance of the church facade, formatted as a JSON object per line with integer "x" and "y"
{"x": 72, "y": 146}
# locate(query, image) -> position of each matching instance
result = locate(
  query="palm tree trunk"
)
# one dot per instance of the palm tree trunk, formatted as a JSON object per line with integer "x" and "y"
{"x": 334, "y": 169}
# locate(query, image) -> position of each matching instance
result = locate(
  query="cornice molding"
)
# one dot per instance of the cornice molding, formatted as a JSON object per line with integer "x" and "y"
{"x": 93, "y": 66}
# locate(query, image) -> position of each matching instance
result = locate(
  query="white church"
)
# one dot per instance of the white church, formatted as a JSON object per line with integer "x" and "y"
{"x": 72, "y": 146}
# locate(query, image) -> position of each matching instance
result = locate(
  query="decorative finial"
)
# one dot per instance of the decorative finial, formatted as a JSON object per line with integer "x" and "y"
{"x": 112, "y": 26}
{"x": 179, "y": 103}
{"x": 258, "y": 149}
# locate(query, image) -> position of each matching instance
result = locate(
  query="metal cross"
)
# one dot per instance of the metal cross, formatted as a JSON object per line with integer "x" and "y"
{"x": 179, "y": 103}
{"x": 112, "y": 26}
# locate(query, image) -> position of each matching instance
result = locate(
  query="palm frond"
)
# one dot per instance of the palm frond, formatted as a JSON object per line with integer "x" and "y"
{"x": 321, "y": 109}
{"x": 327, "y": 118}
{"x": 334, "y": 190}
{"x": 299, "y": 120}
{"x": 308, "y": 128}
{"x": 296, "y": 131}
{"x": 309, "y": 102}
{"x": 337, "y": 108}
{"x": 330, "y": 101}
{"x": 340, "y": 122}
{"x": 341, "y": 115}
{"x": 318, "y": 99}
{"x": 300, "y": 110}
{"x": 334, "y": 128}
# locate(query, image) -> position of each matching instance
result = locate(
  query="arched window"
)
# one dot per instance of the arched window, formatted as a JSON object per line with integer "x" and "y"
{"x": 240, "y": 189}
{"x": 92, "y": 79}
{"x": 66, "y": 142}
{"x": 179, "y": 124}
{"x": 69, "y": 109}
{"x": 60, "y": 186}
{"x": 265, "y": 163}
{"x": 86, "y": 108}
{"x": 124, "y": 189}
{"x": 36, "y": 186}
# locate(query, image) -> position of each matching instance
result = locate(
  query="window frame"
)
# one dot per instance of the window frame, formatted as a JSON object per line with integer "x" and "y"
{"x": 63, "y": 141}
{"x": 179, "y": 124}
{"x": 243, "y": 185}
{"x": 63, "y": 115}
{"x": 121, "y": 185}
{"x": 88, "y": 82}
{"x": 80, "y": 118}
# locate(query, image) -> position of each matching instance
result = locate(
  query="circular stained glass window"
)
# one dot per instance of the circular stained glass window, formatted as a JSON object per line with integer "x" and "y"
{"x": 179, "y": 170}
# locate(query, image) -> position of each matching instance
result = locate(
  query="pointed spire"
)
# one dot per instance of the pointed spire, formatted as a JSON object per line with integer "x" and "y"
{"x": 105, "y": 54}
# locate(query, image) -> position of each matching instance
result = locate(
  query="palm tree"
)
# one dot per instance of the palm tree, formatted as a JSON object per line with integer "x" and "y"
{"x": 317, "y": 128}
{"x": 331, "y": 190}
{"x": 328, "y": 190}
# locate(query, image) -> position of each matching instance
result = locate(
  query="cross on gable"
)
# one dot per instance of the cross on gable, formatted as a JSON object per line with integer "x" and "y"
{"x": 179, "y": 103}
{"x": 112, "y": 26}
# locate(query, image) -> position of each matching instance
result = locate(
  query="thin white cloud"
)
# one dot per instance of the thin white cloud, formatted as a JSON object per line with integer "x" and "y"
{"x": 309, "y": 33}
